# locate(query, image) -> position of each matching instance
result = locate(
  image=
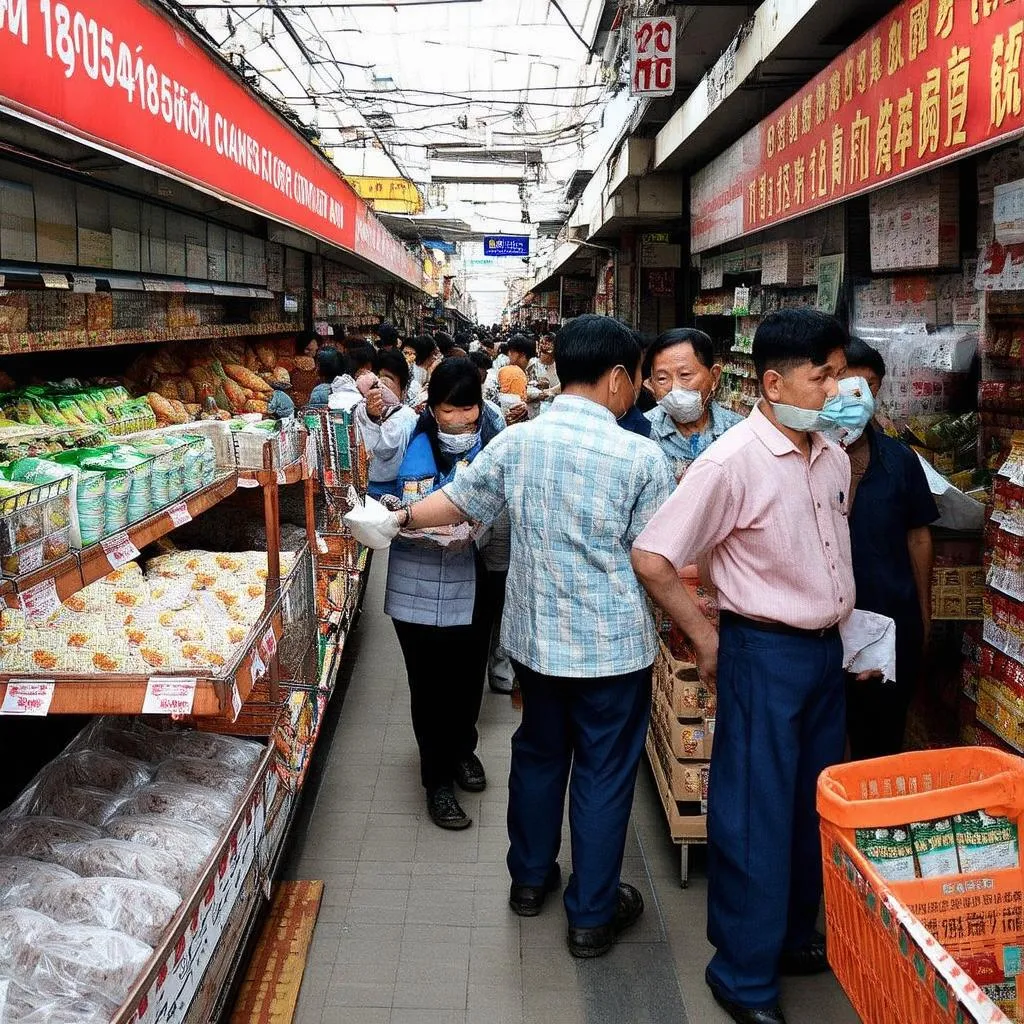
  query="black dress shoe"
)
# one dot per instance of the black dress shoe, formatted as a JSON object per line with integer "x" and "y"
{"x": 469, "y": 774}
{"x": 586, "y": 943}
{"x": 747, "y": 1014}
{"x": 812, "y": 959}
{"x": 528, "y": 900}
{"x": 445, "y": 811}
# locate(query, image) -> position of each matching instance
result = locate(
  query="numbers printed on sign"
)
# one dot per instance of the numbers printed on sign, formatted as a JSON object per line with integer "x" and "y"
{"x": 30, "y": 699}
{"x": 119, "y": 550}
{"x": 40, "y": 602}
{"x": 169, "y": 696}
{"x": 30, "y": 559}
{"x": 180, "y": 514}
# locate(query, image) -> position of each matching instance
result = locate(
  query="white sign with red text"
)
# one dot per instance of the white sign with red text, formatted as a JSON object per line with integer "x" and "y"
{"x": 652, "y": 56}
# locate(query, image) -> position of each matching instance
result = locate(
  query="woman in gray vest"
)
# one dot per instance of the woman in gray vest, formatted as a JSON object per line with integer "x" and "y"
{"x": 438, "y": 597}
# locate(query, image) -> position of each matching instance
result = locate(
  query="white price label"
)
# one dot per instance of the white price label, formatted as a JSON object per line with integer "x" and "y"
{"x": 258, "y": 668}
{"x": 236, "y": 702}
{"x": 180, "y": 514}
{"x": 55, "y": 281}
{"x": 30, "y": 559}
{"x": 169, "y": 696}
{"x": 40, "y": 602}
{"x": 247, "y": 481}
{"x": 119, "y": 550}
{"x": 27, "y": 698}
{"x": 268, "y": 645}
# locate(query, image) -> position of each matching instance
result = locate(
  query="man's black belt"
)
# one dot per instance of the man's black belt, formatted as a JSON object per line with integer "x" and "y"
{"x": 731, "y": 618}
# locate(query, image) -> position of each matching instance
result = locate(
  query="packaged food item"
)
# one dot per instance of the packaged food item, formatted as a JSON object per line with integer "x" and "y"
{"x": 20, "y": 933}
{"x": 198, "y": 771}
{"x": 180, "y": 801}
{"x": 19, "y": 874}
{"x": 229, "y": 751}
{"x": 935, "y": 847}
{"x": 87, "y": 804}
{"x": 985, "y": 843}
{"x": 117, "y": 858}
{"x": 890, "y": 851}
{"x": 37, "y": 836}
{"x": 187, "y": 841}
{"x": 98, "y": 769}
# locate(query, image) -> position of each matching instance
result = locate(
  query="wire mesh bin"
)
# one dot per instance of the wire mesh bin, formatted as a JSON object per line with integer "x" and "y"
{"x": 342, "y": 457}
{"x": 34, "y": 525}
{"x": 925, "y": 915}
{"x": 285, "y": 447}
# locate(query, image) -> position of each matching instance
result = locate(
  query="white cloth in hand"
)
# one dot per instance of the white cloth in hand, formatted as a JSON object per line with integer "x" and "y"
{"x": 869, "y": 644}
{"x": 372, "y": 524}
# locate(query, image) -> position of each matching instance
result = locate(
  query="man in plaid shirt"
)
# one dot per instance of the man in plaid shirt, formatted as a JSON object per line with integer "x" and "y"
{"x": 579, "y": 490}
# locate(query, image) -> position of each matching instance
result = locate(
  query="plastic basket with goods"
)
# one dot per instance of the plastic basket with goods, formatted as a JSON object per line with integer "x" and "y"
{"x": 924, "y": 892}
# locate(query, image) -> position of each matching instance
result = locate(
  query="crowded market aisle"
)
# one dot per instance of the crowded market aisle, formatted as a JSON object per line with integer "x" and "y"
{"x": 415, "y": 928}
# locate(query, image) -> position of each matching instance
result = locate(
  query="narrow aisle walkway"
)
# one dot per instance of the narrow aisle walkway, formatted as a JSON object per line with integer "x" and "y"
{"x": 415, "y": 928}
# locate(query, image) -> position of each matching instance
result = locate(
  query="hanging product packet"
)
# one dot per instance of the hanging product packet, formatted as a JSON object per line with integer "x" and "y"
{"x": 935, "y": 847}
{"x": 890, "y": 851}
{"x": 985, "y": 842}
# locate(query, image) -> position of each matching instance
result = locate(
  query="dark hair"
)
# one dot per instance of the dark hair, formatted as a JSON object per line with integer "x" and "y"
{"x": 589, "y": 346}
{"x": 791, "y": 337}
{"x": 361, "y": 355}
{"x": 523, "y": 345}
{"x": 393, "y": 361}
{"x": 455, "y": 382}
{"x": 339, "y": 332}
{"x": 481, "y": 360}
{"x": 702, "y": 346}
{"x": 388, "y": 335}
{"x": 423, "y": 345}
{"x": 861, "y": 354}
{"x": 456, "y": 352}
{"x": 329, "y": 363}
{"x": 503, "y": 348}
{"x": 445, "y": 342}
{"x": 463, "y": 339}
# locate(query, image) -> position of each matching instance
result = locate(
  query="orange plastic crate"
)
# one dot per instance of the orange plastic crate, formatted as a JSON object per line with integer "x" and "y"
{"x": 892, "y": 944}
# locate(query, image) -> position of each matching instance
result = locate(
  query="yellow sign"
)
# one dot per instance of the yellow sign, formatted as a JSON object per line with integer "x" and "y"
{"x": 387, "y": 195}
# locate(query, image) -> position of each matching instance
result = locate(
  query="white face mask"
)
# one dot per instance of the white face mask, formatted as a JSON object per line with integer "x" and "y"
{"x": 805, "y": 420}
{"x": 683, "y": 405}
{"x": 457, "y": 444}
{"x": 636, "y": 394}
{"x": 850, "y": 411}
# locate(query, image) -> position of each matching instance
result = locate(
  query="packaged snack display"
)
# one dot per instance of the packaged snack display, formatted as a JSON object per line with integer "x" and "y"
{"x": 890, "y": 851}
{"x": 188, "y": 843}
{"x": 198, "y": 771}
{"x": 935, "y": 847}
{"x": 184, "y": 802}
{"x": 117, "y": 858}
{"x": 37, "y": 837}
{"x": 985, "y": 843}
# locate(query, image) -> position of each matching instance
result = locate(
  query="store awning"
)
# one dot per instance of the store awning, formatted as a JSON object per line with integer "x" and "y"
{"x": 570, "y": 259}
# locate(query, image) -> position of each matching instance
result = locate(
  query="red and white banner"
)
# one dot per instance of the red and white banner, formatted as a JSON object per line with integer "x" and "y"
{"x": 121, "y": 76}
{"x": 652, "y": 56}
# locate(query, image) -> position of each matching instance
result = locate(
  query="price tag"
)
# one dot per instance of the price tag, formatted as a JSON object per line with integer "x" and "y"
{"x": 268, "y": 645}
{"x": 56, "y": 281}
{"x": 119, "y": 550}
{"x": 40, "y": 602}
{"x": 169, "y": 696}
{"x": 29, "y": 699}
{"x": 258, "y": 669}
{"x": 180, "y": 514}
{"x": 30, "y": 559}
{"x": 247, "y": 481}
{"x": 236, "y": 702}
{"x": 83, "y": 283}
{"x": 282, "y": 477}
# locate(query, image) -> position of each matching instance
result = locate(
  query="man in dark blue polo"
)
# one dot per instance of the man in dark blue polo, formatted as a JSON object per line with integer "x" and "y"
{"x": 891, "y": 507}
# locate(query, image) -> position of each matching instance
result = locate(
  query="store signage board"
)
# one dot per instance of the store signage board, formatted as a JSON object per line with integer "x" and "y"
{"x": 506, "y": 245}
{"x": 931, "y": 82}
{"x": 652, "y": 56}
{"x": 121, "y": 77}
{"x": 376, "y": 243}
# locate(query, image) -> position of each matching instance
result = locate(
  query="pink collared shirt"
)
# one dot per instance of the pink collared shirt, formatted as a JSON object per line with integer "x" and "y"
{"x": 773, "y": 522}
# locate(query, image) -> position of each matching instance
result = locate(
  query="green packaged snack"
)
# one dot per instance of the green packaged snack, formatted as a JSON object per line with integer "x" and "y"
{"x": 985, "y": 843}
{"x": 889, "y": 850}
{"x": 935, "y": 847}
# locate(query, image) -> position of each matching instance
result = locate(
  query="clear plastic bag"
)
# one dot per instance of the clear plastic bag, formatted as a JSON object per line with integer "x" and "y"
{"x": 228, "y": 751}
{"x": 21, "y": 931}
{"x": 191, "y": 844}
{"x": 117, "y": 858}
{"x": 78, "y": 803}
{"x": 142, "y": 910}
{"x": 98, "y": 769}
{"x": 21, "y": 1005}
{"x": 182, "y": 801}
{"x": 20, "y": 874}
{"x": 132, "y": 739}
{"x": 37, "y": 836}
{"x": 197, "y": 771}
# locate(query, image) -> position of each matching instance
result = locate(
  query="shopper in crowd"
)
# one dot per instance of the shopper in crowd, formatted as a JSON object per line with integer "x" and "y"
{"x": 891, "y": 507}
{"x": 445, "y": 343}
{"x": 361, "y": 359}
{"x": 330, "y": 365}
{"x": 543, "y": 373}
{"x": 438, "y": 599}
{"x": 387, "y": 335}
{"x": 577, "y": 625}
{"x": 422, "y": 355}
{"x": 502, "y": 358}
{"x": 521, "y": 352}
{"x": 767, "y": 504}
{"x": 386, "y": 428}
{"x": 681, "y": 373}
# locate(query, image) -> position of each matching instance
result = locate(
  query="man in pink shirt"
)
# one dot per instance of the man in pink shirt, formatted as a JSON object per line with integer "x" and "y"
{"x": 767, "y": 503}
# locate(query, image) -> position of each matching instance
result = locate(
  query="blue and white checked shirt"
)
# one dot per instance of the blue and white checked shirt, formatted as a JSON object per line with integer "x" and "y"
{"x": 579, "y": 490}
{"x": 684, "y": 451}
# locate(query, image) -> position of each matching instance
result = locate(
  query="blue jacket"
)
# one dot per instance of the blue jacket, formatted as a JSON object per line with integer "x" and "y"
{"x": 426, "y": 585}
{"x": 636, "y": 422}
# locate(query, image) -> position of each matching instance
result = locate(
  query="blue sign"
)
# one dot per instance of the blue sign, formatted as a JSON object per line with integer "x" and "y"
{"x": 448, "y": 248}
{"x": 506, "y": 245}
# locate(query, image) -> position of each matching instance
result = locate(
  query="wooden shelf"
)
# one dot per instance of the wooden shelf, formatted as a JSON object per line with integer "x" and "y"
{"x": 77, "y": 570}
{"x": 291, "y": 474}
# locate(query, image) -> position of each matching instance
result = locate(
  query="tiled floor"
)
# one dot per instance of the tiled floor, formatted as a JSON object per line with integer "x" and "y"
{"x": 414, "y": 927}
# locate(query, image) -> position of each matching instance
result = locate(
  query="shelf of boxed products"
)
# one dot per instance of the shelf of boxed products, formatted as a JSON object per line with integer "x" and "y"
{"x": 37, "y": 591}
{"x": 152, "y": 851}
{"x": 188, "y": 645}
{"x": 18, "y": 343}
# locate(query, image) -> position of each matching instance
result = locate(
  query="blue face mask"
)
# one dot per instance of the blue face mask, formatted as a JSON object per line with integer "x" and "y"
{"x": 850, "y": 411}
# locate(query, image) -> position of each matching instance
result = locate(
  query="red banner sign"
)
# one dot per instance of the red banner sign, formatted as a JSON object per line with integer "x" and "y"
{"x": 931, "y": 82}
{"x": 119, "y": 75}
{"x": 652, "y": 56}
{"x": 377, "y": 244}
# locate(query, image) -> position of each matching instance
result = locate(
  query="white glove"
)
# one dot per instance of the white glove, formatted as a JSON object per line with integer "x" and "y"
{"x": 372, "y": 524}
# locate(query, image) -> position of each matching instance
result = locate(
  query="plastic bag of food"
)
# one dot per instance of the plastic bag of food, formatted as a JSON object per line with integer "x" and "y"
{"x": 228, "y": 751}
{"x": 87, "y": 804}
{"x": 20, "y": 933}
{"x": 37, "y": 836}
{"x": 20, "y": 1005}
{"x": 97, "y": 769}
{"x": 117, "y": 858}
{"x": 133, "y": 739}
{"x": 142, "y": 910}
{"x": 189, "y": 843}
{"x": 197, "y": 771}
{"x": 183, "y": 802}
{"x": 85, "y": 960}
{"x": 20, "y": 874}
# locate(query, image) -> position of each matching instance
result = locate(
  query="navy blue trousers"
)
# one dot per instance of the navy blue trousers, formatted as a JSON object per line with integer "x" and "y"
{"x": 781, "y": 721}
{"x": 587, "y": 734}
